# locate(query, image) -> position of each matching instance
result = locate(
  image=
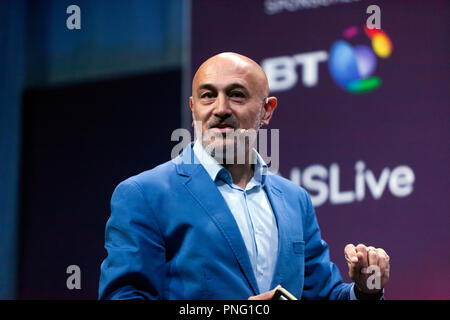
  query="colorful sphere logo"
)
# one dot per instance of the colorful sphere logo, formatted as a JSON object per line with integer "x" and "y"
{"x": 352, "y": 66}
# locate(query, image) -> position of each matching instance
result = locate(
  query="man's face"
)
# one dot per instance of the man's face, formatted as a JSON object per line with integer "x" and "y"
{"x": 227, "y": 95}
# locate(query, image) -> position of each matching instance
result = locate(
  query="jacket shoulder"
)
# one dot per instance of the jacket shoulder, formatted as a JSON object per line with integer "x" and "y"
{"x": 157, "y": 178}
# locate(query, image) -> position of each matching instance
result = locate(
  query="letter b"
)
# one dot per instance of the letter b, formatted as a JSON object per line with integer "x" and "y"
{"x": 280, "y": 72}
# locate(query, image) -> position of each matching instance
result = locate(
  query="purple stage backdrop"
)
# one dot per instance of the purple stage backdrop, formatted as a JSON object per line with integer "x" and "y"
{"x": 363, "y": 118}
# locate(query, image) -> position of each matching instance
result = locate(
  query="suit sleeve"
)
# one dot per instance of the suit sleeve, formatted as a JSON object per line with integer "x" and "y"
{"x": 322, "y": 277}
{"x": 135, "y": 265}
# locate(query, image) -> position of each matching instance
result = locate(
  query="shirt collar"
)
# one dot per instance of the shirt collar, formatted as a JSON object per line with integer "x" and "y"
{"x": 215, "y": 169}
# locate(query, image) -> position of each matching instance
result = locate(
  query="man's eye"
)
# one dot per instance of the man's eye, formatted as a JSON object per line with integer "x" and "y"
{"x": 237, "y": 94}
{"x": 207, "y": 95}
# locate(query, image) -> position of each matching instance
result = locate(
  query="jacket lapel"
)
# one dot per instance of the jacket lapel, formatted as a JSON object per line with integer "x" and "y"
{"x": 277, "y": 202}
{"x": 205, "y": 192}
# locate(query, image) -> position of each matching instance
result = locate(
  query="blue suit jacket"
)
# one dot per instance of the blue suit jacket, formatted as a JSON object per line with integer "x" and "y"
{"x": 172, "y": 236}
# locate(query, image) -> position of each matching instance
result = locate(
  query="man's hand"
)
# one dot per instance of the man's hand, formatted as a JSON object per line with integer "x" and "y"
{"x": 364, "y": 263}
{"x": 266, "y": 295}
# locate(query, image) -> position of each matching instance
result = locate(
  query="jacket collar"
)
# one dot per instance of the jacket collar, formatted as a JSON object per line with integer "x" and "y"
{"x": 213, "y": 167}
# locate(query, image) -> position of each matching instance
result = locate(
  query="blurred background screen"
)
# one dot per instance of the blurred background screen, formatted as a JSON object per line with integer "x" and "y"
{"x": 363, "y": 118}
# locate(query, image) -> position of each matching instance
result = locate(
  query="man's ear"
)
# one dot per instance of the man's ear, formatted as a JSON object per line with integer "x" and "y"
{"x": 269, "y": 107}
{"x": 191, "y": 105}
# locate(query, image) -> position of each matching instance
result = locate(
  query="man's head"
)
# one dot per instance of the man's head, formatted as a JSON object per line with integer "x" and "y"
{"x": 230, "y": 92}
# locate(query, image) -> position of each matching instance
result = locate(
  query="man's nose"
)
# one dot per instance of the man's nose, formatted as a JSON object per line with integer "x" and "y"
{"x": 222, "y": 108}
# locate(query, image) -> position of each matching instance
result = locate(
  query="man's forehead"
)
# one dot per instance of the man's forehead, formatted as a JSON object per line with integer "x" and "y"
{"x": 225, "y": 69}
{"x": 220, "y": 72}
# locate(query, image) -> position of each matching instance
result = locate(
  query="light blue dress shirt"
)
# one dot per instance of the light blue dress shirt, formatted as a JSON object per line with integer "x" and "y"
{"x": 251, "y": 210}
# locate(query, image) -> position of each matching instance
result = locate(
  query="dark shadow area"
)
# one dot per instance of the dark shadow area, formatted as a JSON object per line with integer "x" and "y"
{"x": 79, "y": 142}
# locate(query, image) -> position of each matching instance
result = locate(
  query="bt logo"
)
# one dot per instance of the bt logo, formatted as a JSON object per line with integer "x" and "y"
{"x": 350, "y": 67}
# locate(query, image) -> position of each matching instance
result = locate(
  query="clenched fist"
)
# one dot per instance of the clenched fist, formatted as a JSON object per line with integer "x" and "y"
{"x": 368, "y": 267}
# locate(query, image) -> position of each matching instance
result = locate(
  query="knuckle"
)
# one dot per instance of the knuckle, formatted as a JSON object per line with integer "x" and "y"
{"x": 361, "y": 246}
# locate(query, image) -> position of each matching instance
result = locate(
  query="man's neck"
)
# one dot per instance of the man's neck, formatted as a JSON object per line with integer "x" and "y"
{"x": 240, "y": 173}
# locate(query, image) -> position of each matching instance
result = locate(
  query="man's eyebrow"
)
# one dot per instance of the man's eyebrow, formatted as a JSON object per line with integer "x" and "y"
{"x": 206, "y": 86}
{"x": 236, "y": 86}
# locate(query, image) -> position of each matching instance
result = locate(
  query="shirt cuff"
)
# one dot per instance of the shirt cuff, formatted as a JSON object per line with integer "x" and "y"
{"x": 353, "y": 296}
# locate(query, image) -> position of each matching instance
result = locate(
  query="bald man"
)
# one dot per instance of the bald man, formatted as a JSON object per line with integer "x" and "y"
{"x": 213, "y": 223}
